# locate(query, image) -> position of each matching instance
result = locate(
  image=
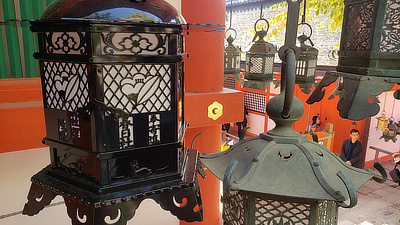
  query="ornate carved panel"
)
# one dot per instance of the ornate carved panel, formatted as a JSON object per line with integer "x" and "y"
{"x": 390, "y": 39}
{"x": 154, "y": 129}
{"x": 65, "y": 85}
{"x": 65, "y": 43}
{"x": 134, "y": 43}
{"x": 138, "y": 88}
{"x": 358, "y": 26}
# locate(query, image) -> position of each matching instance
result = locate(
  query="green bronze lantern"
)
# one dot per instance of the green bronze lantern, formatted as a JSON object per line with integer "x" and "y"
{"x": 232, "y": 58}
{"x": 260, "y": 59}
{"x": 370, "y": 38}
{"x": 281, "y": 177}
{"x": 369, "y": 57}
{"x": 307, "y": 63}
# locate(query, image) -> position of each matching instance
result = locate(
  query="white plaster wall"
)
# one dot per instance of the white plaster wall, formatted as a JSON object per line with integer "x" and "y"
{"x": 374, "y": 134}
{"x": 256, "y": 123}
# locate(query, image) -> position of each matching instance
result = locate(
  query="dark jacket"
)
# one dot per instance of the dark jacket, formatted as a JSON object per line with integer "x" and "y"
{"x": 356, "y": 156}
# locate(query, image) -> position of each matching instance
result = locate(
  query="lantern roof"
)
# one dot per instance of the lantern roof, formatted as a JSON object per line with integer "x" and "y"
{"x": 152, "y": 11}
{"x": 282, "y": 162}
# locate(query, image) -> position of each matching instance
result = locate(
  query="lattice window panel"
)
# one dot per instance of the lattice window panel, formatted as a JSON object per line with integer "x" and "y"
{"x": 233, "y": 208}
{"x": 269, "y": 65}
{"x": 278, "y": 212}
{"x": 138, "y": 88}
{"x": 66, "y": 85}
{"x": 256, "y": 65}
{"x": 390, "y": 39}
{"x": 230, "y": 83}
{"x": 255, "y": 102}
{"x": 327, "y": 212}
{"x": 154, "y": 129}
{"x": 301, "y": 68}
{"x": 358, "y": 26}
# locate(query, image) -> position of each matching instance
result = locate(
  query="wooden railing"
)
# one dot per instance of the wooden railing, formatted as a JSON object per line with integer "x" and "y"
{"x": 379, "y": 150}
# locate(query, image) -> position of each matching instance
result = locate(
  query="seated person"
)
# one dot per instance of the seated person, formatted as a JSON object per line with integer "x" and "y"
{"x": 315, "y": 125}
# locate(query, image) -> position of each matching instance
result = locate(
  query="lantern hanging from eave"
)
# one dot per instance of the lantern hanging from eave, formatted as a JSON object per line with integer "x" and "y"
{"x": 307, "y": 63}
{"x": 232, "y": 57}
{"x": 260, "y": 60}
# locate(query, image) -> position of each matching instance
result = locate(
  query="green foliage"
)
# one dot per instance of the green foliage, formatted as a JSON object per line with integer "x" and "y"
{"x": 333, "y": 8}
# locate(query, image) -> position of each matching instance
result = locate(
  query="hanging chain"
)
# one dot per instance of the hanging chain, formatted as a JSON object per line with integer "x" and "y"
{"x": 303, "y": 17}
{"x": 262, "y": 3}
{"x": 230, "y": 16}
{"x": 15, "y": 20}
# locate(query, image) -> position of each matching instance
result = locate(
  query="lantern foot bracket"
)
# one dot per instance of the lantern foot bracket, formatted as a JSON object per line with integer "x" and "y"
{"x": 38, "y": 198}
{"x": 179, "y": 196}
{"x": 357, "y": 93}
{"x": 184, "y": 203}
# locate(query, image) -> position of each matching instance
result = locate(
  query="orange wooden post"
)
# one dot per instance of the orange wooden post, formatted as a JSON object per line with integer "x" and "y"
{"x": 203, "y": 87}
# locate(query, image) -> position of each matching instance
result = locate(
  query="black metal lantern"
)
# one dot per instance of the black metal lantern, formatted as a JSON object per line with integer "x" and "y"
{"x": 281, "y": 177}
{"x": 307, "y": 63}
{"x": 112, "y": 80}
{"x": 232, "y": 58}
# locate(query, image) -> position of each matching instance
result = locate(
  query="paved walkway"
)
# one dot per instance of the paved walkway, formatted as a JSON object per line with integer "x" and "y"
{"x": 378, "y": 204}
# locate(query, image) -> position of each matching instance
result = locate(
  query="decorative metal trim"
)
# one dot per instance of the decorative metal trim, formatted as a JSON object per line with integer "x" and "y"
{"x": 358, "y": 27}
{"x": 65, "y": 42}
{"x": 134, "y": 43}
{"x": 65, "y": 85}
{"x": 274, "y": 212}
{"x": 154, "y": 129}
{"x": 390, "y": 38}
{"x": 138, "y": 88}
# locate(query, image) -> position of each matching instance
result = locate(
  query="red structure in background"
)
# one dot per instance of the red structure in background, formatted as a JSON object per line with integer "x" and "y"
{"x": 203, "y": 86}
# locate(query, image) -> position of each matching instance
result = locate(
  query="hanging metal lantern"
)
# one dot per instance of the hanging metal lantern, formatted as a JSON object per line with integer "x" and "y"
{"x": 391, "y": 131}
{"x": 307, "y": 63}
{"x": 368, "y": 57}
{"x": 232, "y": 58}
{"x": 382, "y": 122}
{"x": 260, "y": 59}
{"x": 112, "y": 80}
{"x": 281, "y": 177}
{"x": 369, "y": 41}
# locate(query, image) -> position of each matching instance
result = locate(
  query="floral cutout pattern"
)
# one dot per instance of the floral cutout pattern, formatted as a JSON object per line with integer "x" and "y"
{"x": 390, "y": 39}
{"x": 65, "y": 42}
{"x": 134, "y": 43}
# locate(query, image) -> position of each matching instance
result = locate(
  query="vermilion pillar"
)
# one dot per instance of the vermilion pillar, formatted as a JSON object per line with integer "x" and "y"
{"x": 203, "y": 87}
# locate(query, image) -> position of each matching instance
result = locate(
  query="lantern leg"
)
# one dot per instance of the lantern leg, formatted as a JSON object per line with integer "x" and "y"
{"x": 38, "y": 198}
{"x": 118, "y": 213}
{"x": 183, "y": 203}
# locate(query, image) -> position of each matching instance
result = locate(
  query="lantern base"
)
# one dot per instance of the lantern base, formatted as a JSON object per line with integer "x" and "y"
{"x": 359, "y": 88}
{"x": 259, "y": 85}
{"x": 85, "y": 207}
